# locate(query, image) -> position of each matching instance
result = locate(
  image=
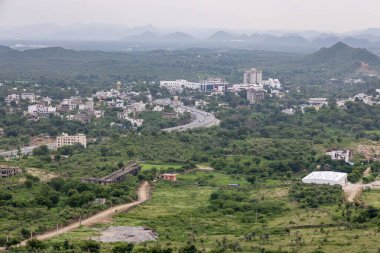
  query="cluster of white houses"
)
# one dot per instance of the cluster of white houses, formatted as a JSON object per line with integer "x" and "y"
{"x": 16, "y": 98}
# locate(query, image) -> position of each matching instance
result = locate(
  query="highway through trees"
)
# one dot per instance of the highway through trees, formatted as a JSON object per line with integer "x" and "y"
{"x": 24, "y": 151}
{"x": 201, "y": 118}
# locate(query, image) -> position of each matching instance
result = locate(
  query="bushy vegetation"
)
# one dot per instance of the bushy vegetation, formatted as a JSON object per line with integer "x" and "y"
{"x": 316, "y": 195}
{"x": 35, "y": 206}
{"x": 240, "y": 203}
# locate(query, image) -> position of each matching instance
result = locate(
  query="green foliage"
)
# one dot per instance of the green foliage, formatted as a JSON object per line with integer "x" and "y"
{"x": 239, "y": 201}
{"x": 34, "y": 244}
{"x": 41, "y": 151}
{"x": 90, "y": 246}
{"x": 123, "y": 248}
{"x": 38, "y": 206}
{"x": 314, "y": 195}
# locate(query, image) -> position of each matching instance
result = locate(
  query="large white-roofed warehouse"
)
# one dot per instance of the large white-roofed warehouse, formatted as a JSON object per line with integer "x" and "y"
{"x": 326, "y": 177}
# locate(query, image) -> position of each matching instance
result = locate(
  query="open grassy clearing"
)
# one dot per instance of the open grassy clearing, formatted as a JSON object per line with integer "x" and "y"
{"x": 176, "y": 212}
{"x": 371, "y": 197}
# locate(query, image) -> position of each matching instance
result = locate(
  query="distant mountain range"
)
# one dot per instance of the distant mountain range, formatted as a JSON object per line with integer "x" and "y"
{"x": 123, "y": 38}
{"x": 152, "y": 37}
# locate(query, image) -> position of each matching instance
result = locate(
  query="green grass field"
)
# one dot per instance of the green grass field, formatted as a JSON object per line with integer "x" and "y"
{"x": 176, "y": 212}
{"x": 371, "y": 197}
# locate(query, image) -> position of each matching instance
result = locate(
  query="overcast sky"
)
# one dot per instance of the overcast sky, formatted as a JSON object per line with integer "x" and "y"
{"x": 326, "y": 15}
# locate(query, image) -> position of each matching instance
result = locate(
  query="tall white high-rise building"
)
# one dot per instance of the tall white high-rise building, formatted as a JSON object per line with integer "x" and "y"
{"x": 253, "y": 76}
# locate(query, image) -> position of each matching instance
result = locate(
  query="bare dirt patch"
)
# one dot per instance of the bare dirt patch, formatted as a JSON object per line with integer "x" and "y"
{"x": 352, "y": 191}
{"x": 41, "y": 140}
{"x": 143, "y": 195}
{"x": 126, "y": 234}
{"x": 369, "y": 151}
{"x": 44, "y": 176}
{"x": 204, "y": 167}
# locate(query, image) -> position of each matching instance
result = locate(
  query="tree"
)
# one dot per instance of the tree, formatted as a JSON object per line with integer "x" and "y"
{"x": 123, "y": 248}
{"x": 189, "y": 249}
{"x": 35, "y": 244}
{"x": 256, "y": 160}
{"x": 120, "y": 164}
{"x": 251, "y": 179}
{"x": 41, "y": 151}
{"x": 90, "y": 246}
{"x": 103, "y": 151}
{"x": 57, "y": 158}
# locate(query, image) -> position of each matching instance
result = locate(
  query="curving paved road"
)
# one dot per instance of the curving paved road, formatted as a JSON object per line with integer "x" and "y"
{"x": 202, "y": 119}
{"x": 143, "y": 195}
{"x": 25, "y": 150}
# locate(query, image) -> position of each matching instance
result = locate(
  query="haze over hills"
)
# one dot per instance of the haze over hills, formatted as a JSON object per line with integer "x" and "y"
{"x": 109, "y": 37}
{"x": 339, "y": 60}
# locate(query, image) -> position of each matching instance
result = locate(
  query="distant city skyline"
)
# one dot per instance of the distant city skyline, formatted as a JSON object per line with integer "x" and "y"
{"x": 294, "y": 15}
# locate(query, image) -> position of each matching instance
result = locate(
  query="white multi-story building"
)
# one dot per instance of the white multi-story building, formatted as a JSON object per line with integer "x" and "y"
{"x": 107, "y": 94}
{"x": 273, "y": 83}
{"x": 342, "y": 102}
{"x": 67, "y": 140}
{"x": 179, "y": 85}
{"x": 87, "y": 106}
{"x": 133, "y": 108}
{"x": 69, "y": 104}
{"x": 255, "y": 95}
{"x": 240, "y": 87}
{"x": 213, "y": 84}
{"x": 289, "y": 111}
{"x": 12, "y": 97}
{"x": 41, "y": 109}
{"x": 345, "y": 155}
{"x": 98, "y": 113}
{"x": 46, "y": 100}
{"x": 253, "y": 76}
{"x": 135, "y": 122}
{"x": 29, "y": 96}
{"x": 318, "y": 101}
{"x": 119, "y": 103}
{"x": 158, "y": 108}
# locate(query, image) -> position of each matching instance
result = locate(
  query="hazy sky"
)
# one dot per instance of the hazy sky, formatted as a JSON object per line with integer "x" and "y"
{"x": 330, "y": 15}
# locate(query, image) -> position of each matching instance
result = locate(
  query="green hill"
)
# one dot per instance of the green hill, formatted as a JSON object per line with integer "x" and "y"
{"x": 341, "y": 58}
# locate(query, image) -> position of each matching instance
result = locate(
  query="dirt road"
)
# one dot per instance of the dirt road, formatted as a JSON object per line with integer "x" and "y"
{"x": 143, "y": 195}
{"x": 352, "y": 191}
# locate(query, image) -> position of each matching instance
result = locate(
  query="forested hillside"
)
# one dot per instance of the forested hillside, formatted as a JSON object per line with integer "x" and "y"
{"x": 95, "y": 68}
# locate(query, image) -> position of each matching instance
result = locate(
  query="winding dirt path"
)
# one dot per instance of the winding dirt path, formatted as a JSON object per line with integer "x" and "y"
{"x": 143, "y": 195}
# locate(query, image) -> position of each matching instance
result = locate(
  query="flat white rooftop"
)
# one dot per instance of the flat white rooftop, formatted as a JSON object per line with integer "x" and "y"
{"x": 325, "y": 175}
